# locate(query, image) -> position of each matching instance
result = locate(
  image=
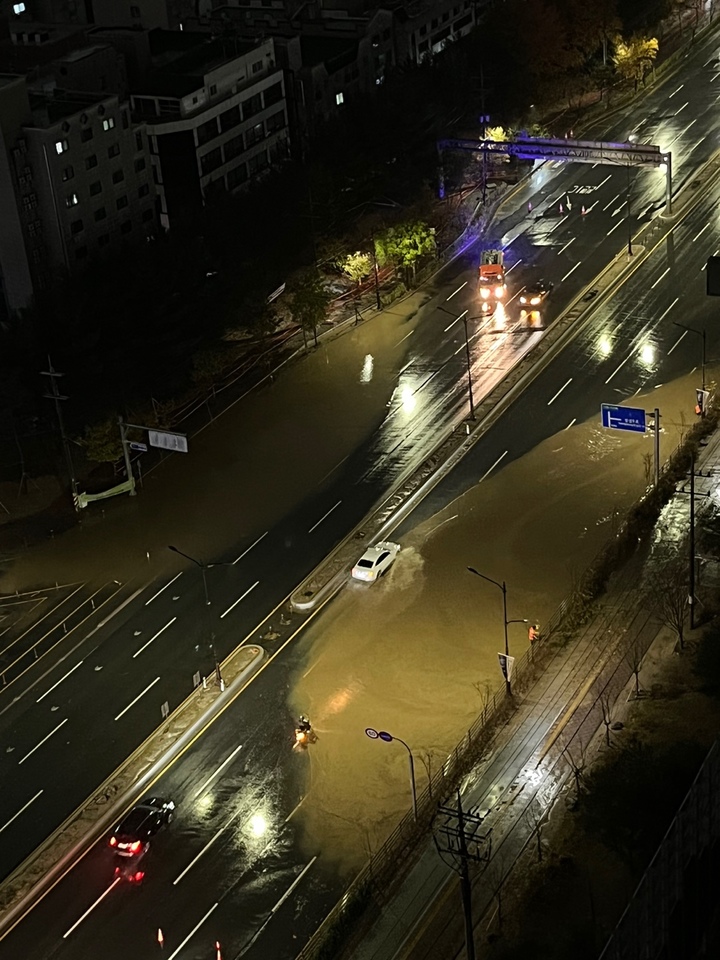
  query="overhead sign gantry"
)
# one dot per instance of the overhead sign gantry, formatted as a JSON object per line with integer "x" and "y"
{"x": 579, "y": 151}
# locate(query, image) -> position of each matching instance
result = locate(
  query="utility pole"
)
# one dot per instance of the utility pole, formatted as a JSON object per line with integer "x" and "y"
{"x": 627, "y": 215}
{"x": 692, "y": 540}
{"x": 656, "y": 446}
{"x": 56, "y": 396}
{"x": 456, "y": 835}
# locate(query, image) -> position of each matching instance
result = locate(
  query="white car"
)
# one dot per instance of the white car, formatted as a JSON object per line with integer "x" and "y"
{"x": 376, "y": 561}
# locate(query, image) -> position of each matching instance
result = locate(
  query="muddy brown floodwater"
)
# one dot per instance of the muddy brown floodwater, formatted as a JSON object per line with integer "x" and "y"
{"x": 405, "y": 654}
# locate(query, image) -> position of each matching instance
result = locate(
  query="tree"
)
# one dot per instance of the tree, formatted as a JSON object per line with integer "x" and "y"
{"x": 535, "y": 817}
{"x": 668, "y": 592}
{"x": 309, "y": 301}
{"x": 405, "y": 244}
{"x": 606, "y": 707}
{"x": 634, "y": 58}
{"x": 102, "y": 442}
{"x": 577, "y": 761}
{"x": 357, "y": 266}
{"x": 634, "y": 655}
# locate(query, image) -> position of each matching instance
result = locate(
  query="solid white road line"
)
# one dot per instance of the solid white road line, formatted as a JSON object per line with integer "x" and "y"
{"x": 490, "y": 470}
{"x": 147, "y": 602}
{"x": 559, "y": 391}
{"x": 292, "y": 813}
{"x": 619, "y": 367}
{"x": 277, "y": 906}
{"x": 79, "y": 663}
{"x": 218, "y": 771}
{"x": 21, "y": 810}
{"x": 333, "y": 470}
{"x": 700, "y": 232}
{"x": 603, "y": 183}
{"x": 612, "y": 229}
{"x": 250, "y": 547}
{"x": 666, "y": 312}
{"x": 404, "y": 338}
{"x": 679, "y": 340}
{"x": 91, "y": 908}
{"x": 573, "y": 421}
{"x": 680, "y": 87}
{"x": 233, "y": 605}
{"x": 516, "y": 264}
{"x": 207, "y": 846}
{"x": 570, "y": 271}
{"x": 324, "y": 517}
{"x": 563, "y": 249}
{"x": 193, "y": 931}
{"x": 680, "y": 109}
{"x": 133, "y": 702}
{"x": 665, "y": 272}
{"x": 448, "y": 327}
{"x": 617, "y": 195}
{"x": 456, "y": 291}
{"x": 54, "y": 730}
{"x": 161, "y": 630}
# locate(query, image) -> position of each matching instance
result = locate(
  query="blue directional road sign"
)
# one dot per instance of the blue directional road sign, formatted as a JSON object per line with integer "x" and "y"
{"x": 623, "y": 418}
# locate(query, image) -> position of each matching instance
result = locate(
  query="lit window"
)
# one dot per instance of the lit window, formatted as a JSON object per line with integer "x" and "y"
{"x": 71, "y": 200}
{"x": 108, "y": 123}
{"x": 18, "y": 8}
{"x": 61, "y": 146}
{"x": 339, "y": 98}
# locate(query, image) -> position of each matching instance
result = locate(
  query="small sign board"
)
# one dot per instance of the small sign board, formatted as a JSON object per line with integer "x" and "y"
{"x": 623, "y": 418}
{"x": 384, "y": 735}
{"x": 168, "y": 441}
{"x": 134, "y": 445}
{"x": 506, "y": 665}
{"x": 165, "y": 710}
{"x": 370, "y": 732}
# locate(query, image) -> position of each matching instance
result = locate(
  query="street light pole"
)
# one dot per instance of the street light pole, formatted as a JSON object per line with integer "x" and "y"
{"x": 388, "y": 738}
{"x": 204, "y": 567}
{"x": 469, "y": 368}
{"x": 503, "y": 587}
{"x": 700, "y": 333}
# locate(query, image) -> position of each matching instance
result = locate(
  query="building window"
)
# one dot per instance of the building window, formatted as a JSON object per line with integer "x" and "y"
{"x": 100, "y": 214}
{"x": 138, "y": 140}
{"x": 90, "y": 161}
{"x": 144, "y": 190}
{"x": 114, "y": 150}
{"x": 254, "y": 135}
{"x": 18, "y": 8}
{"x": 230, "y": 119}
{"x": 252, "y": 106}
{"x": 104, "y": 240}
{"x": 139, "y": 164}
{"x": 71, "y": 200}
{"x": 257, "y": 66}
{"x": 233, "y": 148}
{"x": 76, "y": 227}
{"x": 121, "y": 202}
{"x": 135, "y": 13}
{"x": 273, "y": 94}
{"x": 213, "y": 89}
{"x": 126, "y": 227}
{"x": 61, "y": 146}
{"x": 81, "y": 253}
{"x": 118, "y": 176}
{"x": 211, "y": 161}
{"x": 148, "y": 214}
{"x": 207, "y": 131}
{"x": 68, "y": 173}
{"x": 86, "y": 135}
{"x": 339, "y": 98}
{"x": 109, "y": 123}
{"x": 95, "y": 188}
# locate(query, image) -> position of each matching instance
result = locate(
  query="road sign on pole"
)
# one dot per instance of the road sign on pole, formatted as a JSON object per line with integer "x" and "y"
{"x": 134, "y": 445}
{"x": 622, "y": 418}
{"x": 370, "y": 732}
{"x": 168, "y": 441}
{"x": 506, "y": 665}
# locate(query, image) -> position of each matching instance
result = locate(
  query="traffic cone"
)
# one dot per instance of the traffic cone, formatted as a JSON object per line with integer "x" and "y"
{"x": 583, "y": 211}
{"x": 562, "y": 209}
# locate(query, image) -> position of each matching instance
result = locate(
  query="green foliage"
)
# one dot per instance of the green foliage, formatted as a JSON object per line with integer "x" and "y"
{"x": 102, "y": 442}
{"x": 309, "y": 300}
{"x": 357, "y": 265}
{"x": 634, "y": 58}
{"x": 633, "y": 795}
{"x": 405, "y": 244}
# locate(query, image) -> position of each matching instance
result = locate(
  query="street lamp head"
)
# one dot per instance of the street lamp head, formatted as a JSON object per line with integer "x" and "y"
{"x": 174, "y": 549}
{"x": 473, "y": 570}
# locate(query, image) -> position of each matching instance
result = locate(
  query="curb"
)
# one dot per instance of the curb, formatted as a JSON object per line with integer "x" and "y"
{"x": 33, "y": 879}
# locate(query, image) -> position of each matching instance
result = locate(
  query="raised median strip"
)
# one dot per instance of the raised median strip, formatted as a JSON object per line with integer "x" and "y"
{"x": 53, "y": 858}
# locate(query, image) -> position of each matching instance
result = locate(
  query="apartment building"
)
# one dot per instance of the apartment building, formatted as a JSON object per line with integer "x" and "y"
{"x": 75, "y": 183}
{"x": 216, "y": 116}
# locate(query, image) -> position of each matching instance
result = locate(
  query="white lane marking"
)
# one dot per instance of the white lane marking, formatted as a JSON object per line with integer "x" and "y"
{"x": 700, "y": 232}
{"x": 90, "y": 909}
{"x": 21, "y": 810}
{"x": 217, "y": 772}
{"x": 332, "y": 471}
{"x": 688, "y": 126}
{"x": 682, "y": 85}
{"x": 563, "y": 249}
{"x": 248, "y": 549}
{"x": 665, "y": 272}
{"x": 574, "y": 420}
{"x": 455, "y": 291}
{"x": 233, "y": 605}
{"x": 193, "y": 931}
{"x": 54, "y": 730}
{"x": 618, "y": 224}
{"x": 619, "y": 367}
{"x": 450, "y": 326}
{"x": 666, "y": 312}
{"x": 132, "y": 703}
{"x": 292, "y": 813}
{"x": 616, "y": 197}
{"x": 277, "y": 906}
{"x": 42, "y": 697}
{"x": 680, "y": 109}
{"x": 592, "y": 207}
{"x": 207, "y": 846}
{"x": 517, "y": 263}
{"x": 161, "y": 630}
{"x": 570, "y": 271}
{"x": 558, "y": 224}
{"x": 677, "y": 342}
{"x": 603, "y": 183}
{"x": 326, "y": 515}
{"x": 147, "y": 602}
{"x": 404, "y": 338}
{"x": 552, "y": 399}
{"x": 490, "y": 470}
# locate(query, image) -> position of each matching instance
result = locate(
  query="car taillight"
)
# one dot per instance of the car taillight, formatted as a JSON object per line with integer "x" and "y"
{"x": 113, "y": 841}
{"x": 135, "y": 846}
{"x": 137, "y": 877}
